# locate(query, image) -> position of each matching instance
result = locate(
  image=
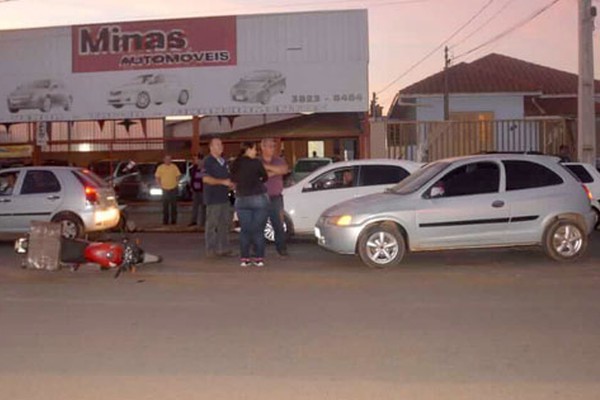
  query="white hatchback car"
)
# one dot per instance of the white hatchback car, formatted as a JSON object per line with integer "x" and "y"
{"x": 306, "y": 200}
{"x": 76, "y": 197}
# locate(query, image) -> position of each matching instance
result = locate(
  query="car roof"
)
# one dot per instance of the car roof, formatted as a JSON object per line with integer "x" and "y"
{"x": 45, "y": 167}
{"x": 314, "y": 159}
{"x": 504, "y": 156}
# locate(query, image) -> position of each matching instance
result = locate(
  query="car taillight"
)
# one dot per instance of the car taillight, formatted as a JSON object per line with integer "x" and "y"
{"x": 588, "y": 192}
{"x": 91, "y": 194}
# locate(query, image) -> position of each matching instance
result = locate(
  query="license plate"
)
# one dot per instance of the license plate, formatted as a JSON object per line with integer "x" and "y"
{"x": 317, "y": 233}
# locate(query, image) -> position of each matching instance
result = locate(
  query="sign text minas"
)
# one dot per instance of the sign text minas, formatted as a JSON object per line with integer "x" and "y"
{"x": 110, "y": 39}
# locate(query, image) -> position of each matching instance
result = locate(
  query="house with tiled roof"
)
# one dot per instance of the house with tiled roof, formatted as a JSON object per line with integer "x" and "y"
{"x": 496, "y": 103}
{"x": 496, "y": 86}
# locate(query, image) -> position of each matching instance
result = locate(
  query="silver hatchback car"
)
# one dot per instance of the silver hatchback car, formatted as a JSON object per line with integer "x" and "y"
{"x": 75, "y": 197}
{"x": 494, "y": 200}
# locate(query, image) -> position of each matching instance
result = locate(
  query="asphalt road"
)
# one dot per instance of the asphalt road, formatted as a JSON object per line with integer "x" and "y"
{"x": 501, "y": 324}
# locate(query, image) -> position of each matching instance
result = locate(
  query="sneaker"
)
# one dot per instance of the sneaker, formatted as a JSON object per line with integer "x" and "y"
{"x": 245, "y": 262}
{"x": 258, "y": 262}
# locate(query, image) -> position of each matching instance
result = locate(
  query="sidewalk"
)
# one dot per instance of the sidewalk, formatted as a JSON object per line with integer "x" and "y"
{"x": 147, "y": 217}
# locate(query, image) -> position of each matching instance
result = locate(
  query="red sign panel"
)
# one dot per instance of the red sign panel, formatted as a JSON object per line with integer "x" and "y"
{"x": 182, "y": 43}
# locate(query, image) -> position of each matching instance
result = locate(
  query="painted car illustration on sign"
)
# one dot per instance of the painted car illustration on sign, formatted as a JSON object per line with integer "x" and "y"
{"x": 147, "y": 89}
{"x": 258, "y": 86}
{"x": 42, "y": 94}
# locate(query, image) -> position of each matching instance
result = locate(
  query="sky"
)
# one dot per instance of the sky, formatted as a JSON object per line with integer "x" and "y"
{"x": 401, "y": 32}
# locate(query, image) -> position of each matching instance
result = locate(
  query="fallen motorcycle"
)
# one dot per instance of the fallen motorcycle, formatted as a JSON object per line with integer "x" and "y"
{"x": 45, "y": 248}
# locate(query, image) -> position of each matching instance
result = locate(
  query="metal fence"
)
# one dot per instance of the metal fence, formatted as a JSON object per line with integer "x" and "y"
{"x": 433, "y": 140}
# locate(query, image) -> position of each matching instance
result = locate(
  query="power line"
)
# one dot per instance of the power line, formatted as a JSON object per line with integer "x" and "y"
{"x": 509, "y": 30}
{"x": 437, "y": 48}
{"x": 480, "y": 27}
{"x": 366, "y": 3}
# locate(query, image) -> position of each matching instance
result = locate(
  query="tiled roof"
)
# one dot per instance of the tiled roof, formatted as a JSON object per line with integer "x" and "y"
{"x": 496, "y": 73}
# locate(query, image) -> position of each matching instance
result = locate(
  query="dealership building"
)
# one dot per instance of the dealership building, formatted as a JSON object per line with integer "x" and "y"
{"x": 139, "y": 89}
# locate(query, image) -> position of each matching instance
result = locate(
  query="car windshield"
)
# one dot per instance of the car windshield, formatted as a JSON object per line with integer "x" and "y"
{"x": 257, "y": 76}
{"x": 37, "y": 84}
{"x": 309, "y": 165}
{"x": 143, "y": 79}
{"x": 103, "y": 168}
{"x": 417, "y": 179}
{"x": 147, "y": 169}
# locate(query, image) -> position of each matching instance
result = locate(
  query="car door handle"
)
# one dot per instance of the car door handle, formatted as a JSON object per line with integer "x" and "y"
{"x": 53, "y": 197}
{"x": 498, "y": 204}
{"x": 4, "y": 200}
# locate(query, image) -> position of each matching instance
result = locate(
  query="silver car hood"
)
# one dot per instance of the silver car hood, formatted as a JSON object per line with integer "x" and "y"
{"x": 371, "y": 204}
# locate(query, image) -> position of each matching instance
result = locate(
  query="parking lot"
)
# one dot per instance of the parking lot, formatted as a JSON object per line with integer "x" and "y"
{"x": 491, "y": 324}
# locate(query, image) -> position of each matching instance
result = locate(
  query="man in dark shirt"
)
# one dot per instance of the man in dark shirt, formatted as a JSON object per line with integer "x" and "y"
{"x": 219, "y": 212}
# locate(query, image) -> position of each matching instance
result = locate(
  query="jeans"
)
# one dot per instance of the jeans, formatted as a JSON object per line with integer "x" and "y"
{"x": 276, "y": 217}
{"x": 218, "y": 224}
{"x": 169, "y": 200}
{"x": 198, "y": 209}
{"x": 252, "y": 212}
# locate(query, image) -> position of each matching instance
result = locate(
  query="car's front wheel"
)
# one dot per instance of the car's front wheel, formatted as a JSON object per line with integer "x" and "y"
{"x": 381, "y": 246}
{"x": 71, "y": 225}
{"x": 143, "y": 100}
{"x": 183, "y": 98}
{"x": 565, "y": 240}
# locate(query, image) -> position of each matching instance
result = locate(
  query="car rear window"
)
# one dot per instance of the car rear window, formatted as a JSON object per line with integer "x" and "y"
{"x": 580, "y": 172}
{"x": 381, "y": 175}
{"x": 88, "y": 178}
{"x": 527, "y": 175}
{"x": 310, "y": 165}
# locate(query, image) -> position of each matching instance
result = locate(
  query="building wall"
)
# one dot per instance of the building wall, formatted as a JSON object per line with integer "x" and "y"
{"x": 504, "y": 106}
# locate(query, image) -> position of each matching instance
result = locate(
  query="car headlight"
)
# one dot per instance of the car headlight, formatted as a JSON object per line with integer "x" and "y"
{"x": 339, "y": 220}
{"x": 156, "y": 191}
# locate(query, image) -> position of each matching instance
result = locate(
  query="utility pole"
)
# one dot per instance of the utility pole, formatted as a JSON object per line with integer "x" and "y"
{"x": 586, "y": 116}
{"x": 446, "y": 93}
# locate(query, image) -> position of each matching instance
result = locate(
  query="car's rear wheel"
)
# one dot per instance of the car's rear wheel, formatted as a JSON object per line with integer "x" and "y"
{"x": 143, "y": 100}
{"x": 46, "y": 104}
{"x": 183, "y": 98}
{"x": 381, "y": 246}
{"x": 68, "y": 102}
{"x": 565, "y": 240}
{"x": 71, "y": 225}
{"x": 264, "y": 98}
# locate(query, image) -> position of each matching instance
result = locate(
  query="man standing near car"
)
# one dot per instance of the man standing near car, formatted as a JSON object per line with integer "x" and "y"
{"x": 276, "y": 168}
{"x": 167, "y": 175}
{"x": 219, "y": 213}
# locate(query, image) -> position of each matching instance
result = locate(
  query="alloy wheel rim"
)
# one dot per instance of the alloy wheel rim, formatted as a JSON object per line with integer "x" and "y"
{"x": 382, "y": 247}
{"x": 567, "y": 240}
{"x": 143, "y": 100}
{"x": 69, "y": 229}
